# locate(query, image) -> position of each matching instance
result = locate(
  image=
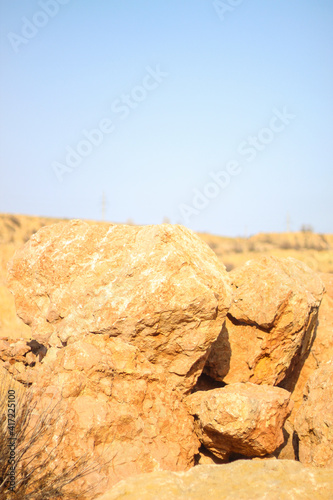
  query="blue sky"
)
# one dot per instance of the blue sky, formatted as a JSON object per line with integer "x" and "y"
{"x": 217, "y": 115}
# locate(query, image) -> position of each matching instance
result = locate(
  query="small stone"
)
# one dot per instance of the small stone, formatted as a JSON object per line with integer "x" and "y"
{"x": 240, "y": 418}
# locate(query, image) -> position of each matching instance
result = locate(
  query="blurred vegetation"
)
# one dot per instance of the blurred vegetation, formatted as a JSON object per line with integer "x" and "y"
{"x": 37, "y": 472}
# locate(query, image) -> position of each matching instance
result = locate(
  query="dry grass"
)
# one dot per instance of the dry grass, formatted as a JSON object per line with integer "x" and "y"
{"x": 37, "y": 475}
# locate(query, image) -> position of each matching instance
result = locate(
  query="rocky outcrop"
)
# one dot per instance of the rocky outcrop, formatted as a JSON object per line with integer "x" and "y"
{"x": 16, "y": 229}
{"x": 321, "y": 352}
{"x": 119, "y": 407}
{"x": 159, "y": 288}
{"x": 244, "y": 479}
{"x": 128, "y": 315}
{"x": 314, "y": 419}
{"x": 125, "y": 318}
{"x": 19, "y": 356}
{"x": 240, "y": 418}
{"x": 270, "y": 324}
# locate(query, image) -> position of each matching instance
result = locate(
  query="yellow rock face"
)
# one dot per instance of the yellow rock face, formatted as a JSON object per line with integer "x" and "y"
{"x": 246, "y": 480}
{"x": 242, "y": 418}
{"x": 314, "y": 419}
{"x": 271, "y": 321}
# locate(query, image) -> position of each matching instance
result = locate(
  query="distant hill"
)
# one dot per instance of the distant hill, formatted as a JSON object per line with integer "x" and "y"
{"x": 316, "y": 250}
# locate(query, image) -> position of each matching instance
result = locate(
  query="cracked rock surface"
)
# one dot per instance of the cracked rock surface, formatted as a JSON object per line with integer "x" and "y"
{"x": 270, "y": 324}
{"x": 242, "y": 418}
{"x": 128, "y": 315}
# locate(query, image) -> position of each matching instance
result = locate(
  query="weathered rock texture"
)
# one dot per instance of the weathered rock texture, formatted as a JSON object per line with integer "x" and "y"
{"x": 8, "y": 382}
{"x": 241, "y": 418}
{"x": 205, "y": 457}
{"x": 128, "y": 315}
{"x": 119, "y": 409}
{"x": 241, "y": 480}
{"x": 19, "y": 356}
{"x": 289, "y": 448}
{"x": 271, "y": 321}
{"x": 15, "y": 230}
{"x": 315, "y": 250}
{"x": 321, "y": 351}
{"x": 159, "y": 288}
{"x": 314, "y": 419}
{"x": 124, "y": 319}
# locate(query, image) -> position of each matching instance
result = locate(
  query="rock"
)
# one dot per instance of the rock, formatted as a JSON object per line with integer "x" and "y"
{"x": 15, "y": 230}
{"x": 314, "y": 419}
{"x": 265, "y": 457}
{"x": 128, "y": 315}
{"x": 240, "y": 418}
{"x": 20, "y": 348}
{"x": 241, "y": 480}
{"x": 17, "y": 356}
{"x": 289, "y": 448}
{"x": 205, "y": 457}
{"x": 159, "y": 288}
{"x": 10, "y": 323}
{"x": 327, "y": 279}
{"x": 119, "y": 407}
{"x": 206, "y": 383}
{"x": 7, "y": 382}
{"x": 321, "y": 352}
{"x": 4, "y": 346}
{"x": 270, "y": 323}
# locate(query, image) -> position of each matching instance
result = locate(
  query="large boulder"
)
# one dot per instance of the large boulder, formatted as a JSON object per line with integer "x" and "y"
{"x": 159, "y": 288}
{"x": 241, "y": 480}
{"x": 320, "y": 353}
{"x": 270, "y": 324}
{"x": 119, "y": 408}
{"x": 314, "y": 419}
{"x": 241, "y": 418}
{"x": 128, "y": 315}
